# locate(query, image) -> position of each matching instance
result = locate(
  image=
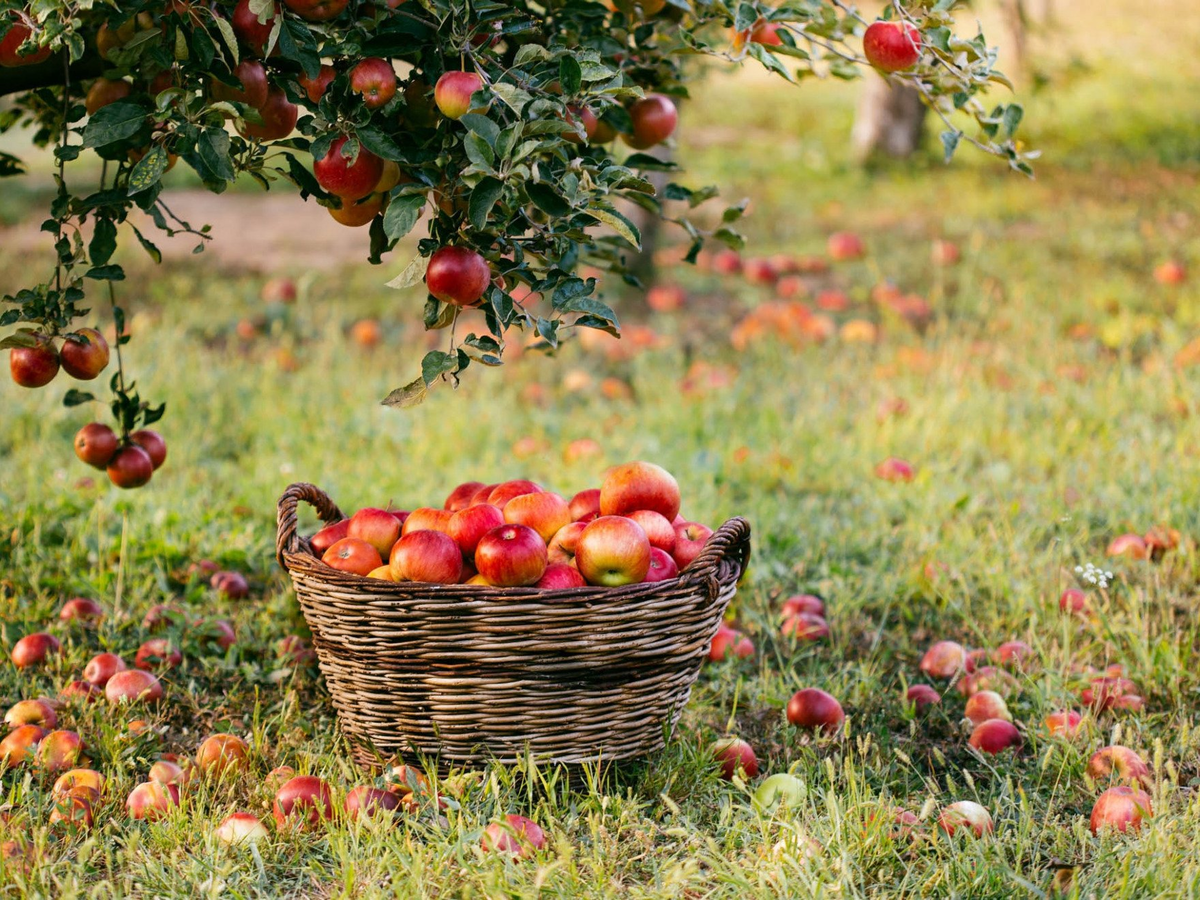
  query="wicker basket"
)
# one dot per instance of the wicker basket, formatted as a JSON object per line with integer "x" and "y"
{"x": 469, "y": 673}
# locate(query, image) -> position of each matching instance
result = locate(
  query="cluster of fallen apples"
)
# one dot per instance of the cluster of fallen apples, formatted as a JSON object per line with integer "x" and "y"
{"x": 517, "y": 534}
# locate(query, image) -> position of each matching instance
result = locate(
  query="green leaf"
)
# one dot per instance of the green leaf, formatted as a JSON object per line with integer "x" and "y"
{"x": 950, "y": 143}
{"x": 618, "y": 223}
{"x": 479, "y": 151}
{"x": 149, "y": 169}
{"x": 113, "y": 123}
{"x": 435, "y": 364}
{"x": 570, "y": 75}
{"x": 412, "y": 394}
{"x": 483, "y": 197}
{"x": 482, "y": 126}
{"x": 548, "y": 199}
{"x": 402, "y": 214}
{"x": 229, "y": 39}
{"x": 103, "y": 242}
{"x": 380, "y": 144}
{"x": 105, "y": 273}
{"x": 412, "y": 274}
{"x": 76, "y": 398}
{"x": 1013, "y": 113}
{"x": 213, "y": 148}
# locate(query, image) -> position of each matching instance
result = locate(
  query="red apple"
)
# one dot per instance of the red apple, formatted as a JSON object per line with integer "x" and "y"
{"x": 315, "y": 87}
{"x": 252, "y": 76}
{"x": 805, "y": 627}
{"x": 84, "y": 354}
{"x": 729, "y": 642}
{"x": 501, "y": 493}
{"x": 690, "y": 538}
{"x": 613, "y": 551}
{"x": 241, "y": 827}
{"x": 893, "y": 469}
{"x": 152, "y": 442}
{"x": 79, "y": 780}
{"x": 365, "y": 801}
{"x": 585, "y": 505}
{"x": 102, "y": 667}
{"x": 559, "y": 576}
{"x": 453, "y": 92}
{"x": 278, "y": 114}
{"x": 166, "y": 771}
{"x": 1171, "y": 272}
{"x": 75, "y": 810}
{"x": 1073, "y": 602}
{"x": 987, "y": 678}
{"x": 892, "y": 46}
{"x": 59, "y": 751}
{"x": 468, "y": 525}
{"x": 803, "y": 603}
{"x": 352, "y": 555}
{"x": 662, "y": 567}
{"x": 921, "y": 696}
{"x": 36, "y": 366}
{"x": 231, "y": 585}
{"x": 151, "y": 801}
{"x": 1128, "y": 767}
{"x": 316, "y": 10}
{"x": 250, "y": 31}
{"x": 346, "y": 177}
{"x": 130, "y": 467}
{"x": 375, "y": 80}
{"x": 1106, "y": 691}
{"x": 1014, "y": 654}
{"x": 34, "y": 649}
{"x": 965, "y": 815}
{"x": 562, "y": 546}
{"x": 328, "y": 536}
{"x": 377, "y": 527}
{"x": 81, "y": 609}
{"x": 427, "y": 518}
{"x": 295, "y": 650}
{"x": 163, "y": 615}
{"x": 96, "y": 444}
{"x": 133, "y": 685}
{"x": 813, "y": 708}
{"x": 654, "y": 119}
{"x": 1131, "y": 545}
{"x": 658, "y": 528}
{"x": 31, "y": 712}
{"x": 85, "y": 690}
{"x": 20, "y": 745}
{"x": 944, "y": 253}
{"x": 544, "y": 511}
{"x": 157, "y": 654}
{"x": 734, "y": 754}
{"x": 945, "y": 659}
{"x": 1121, "y": 808}
{"x": 511, "y": 556}
{"x": 986, "y": 705}
{"x": 518, "y": 835}
{"x": 429, "y": 557}
{"x": 222, "y": 753}
{"x": 303, "y": 802}
{"x": 639, "y": 485}
{"x": 994, "y": 736}
{"x": 1064, "y": 722}
{"x": 457, "y": 275}
{"x": 460, "y": 497}
{"x": 10, "y": 47}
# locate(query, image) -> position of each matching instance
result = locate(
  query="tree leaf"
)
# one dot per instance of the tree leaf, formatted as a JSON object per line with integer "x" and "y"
{"x": 412, "y": 274}
{"x": 149, "y": 169}
{"x": 548, "y": 199}
{"x": 618, "y": 223}
{"x": 483, "y": 197}
{"x": 402, "y": 214}
{"x": 412, "y": 394}
{"x": 116, "y": 122}
{"x": 213, "y": 148}
{"x": 74, "y": 397}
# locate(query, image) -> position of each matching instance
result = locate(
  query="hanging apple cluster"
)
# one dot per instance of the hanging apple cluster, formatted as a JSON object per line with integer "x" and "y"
{"x": 495, "y": 125}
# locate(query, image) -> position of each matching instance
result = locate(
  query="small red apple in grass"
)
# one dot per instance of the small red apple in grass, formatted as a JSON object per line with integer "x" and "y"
{"x": 133, "y": 685}
{"x": 965, "y": 816}
{"x": 241, "y": 828}
{"x": 84, "y": 354}
{"x": 295, "y": 650}
{"x": 460, "y": 497}
{"x": 166, "y": 771}
{"x": 219, "y": 632}
{"x": 994, "y": 736}
{"x": 36, "y": 366}
{"x": 163, "y": 615}
{"x": 375, "y": 80}
{"x": 613, "y": 551}
{"x": 690, "y": 538}
{"x": 303, "y": 802}
{"x": 1073, "y": 602}
{"x": 895, "y": 470}
{"x": 986, "y": 705}
{"x": 102, "y": 667}
{"x": 34, "y": 649}
{"x": 844, "y": 245}
{"x": 80, "y": 689}
{"x": 544, "y": 511}
{"x": 511, "y": 556}
{"x": 561, "y": 548}
{"x": 221, "y": 754}
{"x": 20, "y": 745}
{"x": 77, "y": 780}
{"x": 467, "y": 526}
{"x": 428, "y": 557}
{"x": 457, "y": 275}
{"x": 378, "y": 527}
{"x": 813, "y": 708}
{"x": 637, "y": 486}
{"x": 83, "y": 610}
{"x": 31, "y": 712}
{"x": 892, "y": 46}
{"x": 1130, "y": 545}
{"x": 1014, "y": 655}
{"x": 734, "y": 755}
{"x": 1107, "y": 692}
{"x": 59, "y": 751}
{"x": 352, "y": 555}
{"x": 328, "y": 536}
{"x": 728, "y": 642}
{"x": 803, "y": 603}
{"x": 805, "y": 627}
{"x": 585, "y": 505}
{"x": 1120, "y": 808}
{"x": 365, "y": 802}
{"x": 517, "y": 835}
{"x": 130, "y": 467}
{"x": 453, "y": 92}
{"x": 654, "y": 120}
{"x": 151, "y": 801}
{"x": 662, "y": 567}
{"x": 350, "y": 176}
{"x": 1063, "y": 723}
{"x": 278, "y": 114}
{"x": 944, "y": 253}
{"x": 559, "y": 576}
{"x": 1171, "y": 272}
{"x": 1118, "y": 763}
{"x": 158, "y": 654}
{"x": 75, "y": 810}
{"x": 920, "y": 696}
{"x": 945, "y": 659}
{"x": 96, "y": 444}
{"x": 987, "y": 678}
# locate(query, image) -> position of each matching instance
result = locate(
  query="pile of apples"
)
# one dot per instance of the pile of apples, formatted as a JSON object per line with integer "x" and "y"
{"x": 517, "y": 534}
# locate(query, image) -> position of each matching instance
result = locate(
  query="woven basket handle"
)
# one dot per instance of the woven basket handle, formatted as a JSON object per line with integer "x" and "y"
{"x": 288, "y": 538}
{"x": 729, "y": 543}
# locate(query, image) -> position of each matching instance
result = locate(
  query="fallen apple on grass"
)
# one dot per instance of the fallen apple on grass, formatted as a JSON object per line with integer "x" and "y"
{"x": 781, "y": 790}
{"x": 241, "y": 828}
{"x": 34, "y": 649}
{"x": 735, "y": 755}
{"x": 31, "y": 712}
{"x": 221, "y": 754}
{"x": 152, "y": 801}
{"x": 20, "y": 745}
{"x": 133, "y": 685}
{"x": 729, "y": 642}
{"x": 814, "y": 709}
{"x": 1121, "y": 809}
{"x": 303, "y": 802}
{"x": 984, "y": 705}
{"x": 365, "y": 801}
{"x": 81, "y": 610}
{"x": 1118, "y": 763}
{"x": 1063, "y": 723}
{"x": 516, "y": 835}
{"x": 921, "y": 696}
{"x": 994, "y": 736}
{"x": 965, "y": 816}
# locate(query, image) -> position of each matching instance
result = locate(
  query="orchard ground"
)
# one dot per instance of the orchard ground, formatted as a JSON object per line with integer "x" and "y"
{"x": 1049, "y": 409}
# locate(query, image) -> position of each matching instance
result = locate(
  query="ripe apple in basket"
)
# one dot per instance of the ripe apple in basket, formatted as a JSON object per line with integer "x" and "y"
{"x": 426, "y": 518}
{"x": 430, "y": 557}
{"x": 352, "y": 555}
{"x": 468, "y": 525}
{"x": 329, "y": 535}
{"x": 559, "y": 576}
{"x": 544, "y": 511}
{"x": 460, "y": 497}
{"x": 502, "y": 493}
{"x": 658, "y": 529}
{"x": 562, "y": 545}
{"x": 662, "y": 567}
{"x": 377, "y": 527}
{"x": 613, "y": 551}
{"x": 585, "y": 505}
{"x": 690, "y": 538}
{"x": 511, "y": 556}
{"x": 639, "y": 485}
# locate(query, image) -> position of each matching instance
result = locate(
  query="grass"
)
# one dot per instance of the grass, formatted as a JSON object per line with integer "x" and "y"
{"x": 1035, "y": 443}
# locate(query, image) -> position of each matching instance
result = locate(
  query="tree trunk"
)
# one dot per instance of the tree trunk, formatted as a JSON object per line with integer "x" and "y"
{"x": 890, "y": 119}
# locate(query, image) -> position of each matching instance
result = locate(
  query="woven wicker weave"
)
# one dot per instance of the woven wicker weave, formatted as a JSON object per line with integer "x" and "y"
{"x": 468, "y": 673}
